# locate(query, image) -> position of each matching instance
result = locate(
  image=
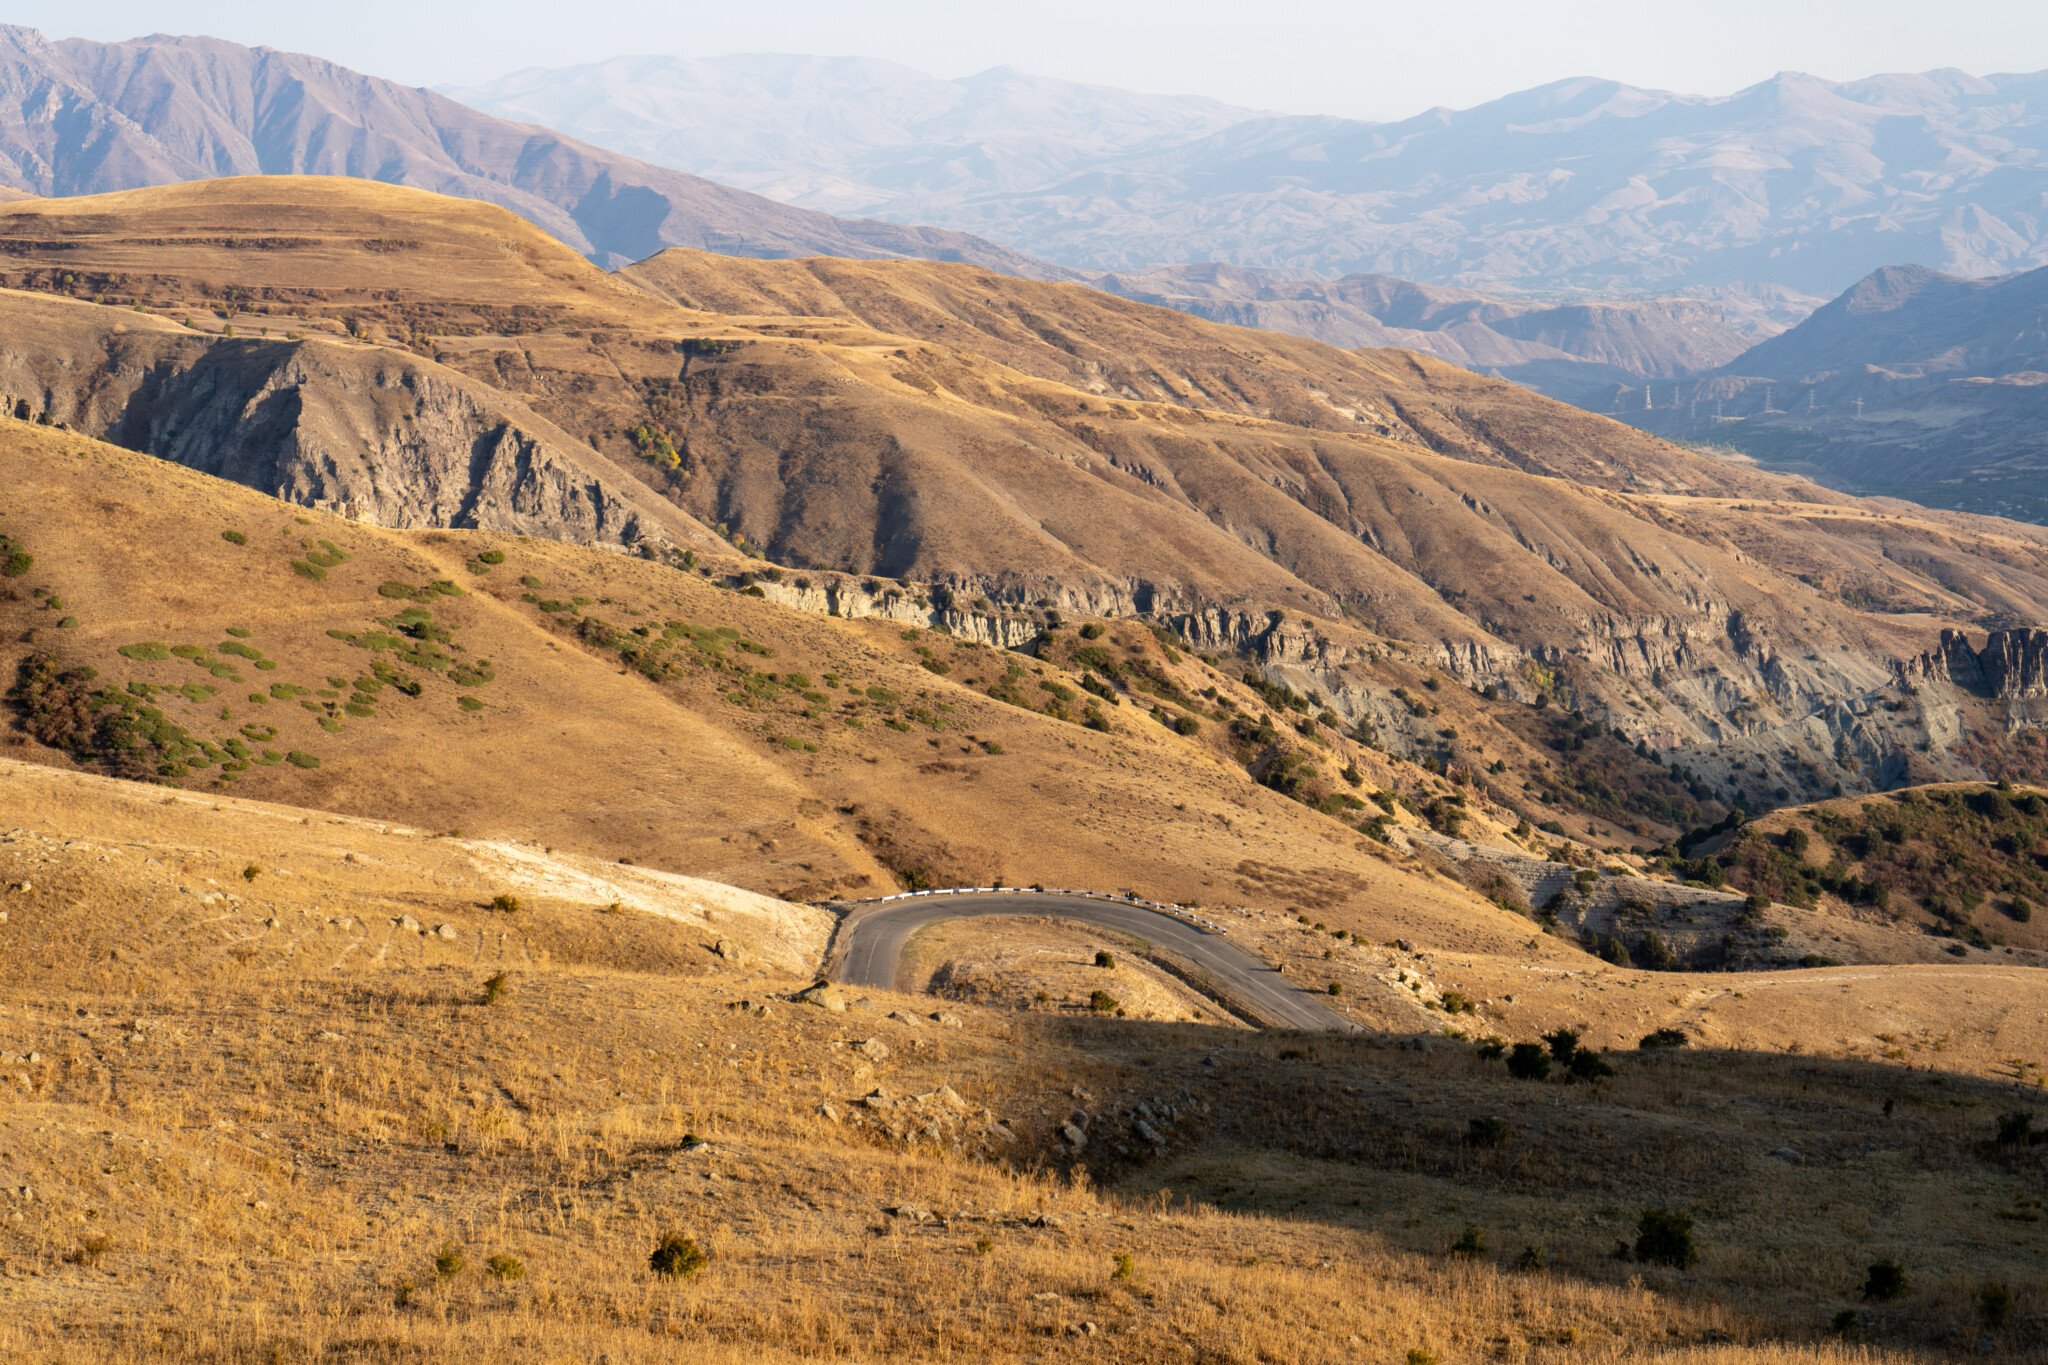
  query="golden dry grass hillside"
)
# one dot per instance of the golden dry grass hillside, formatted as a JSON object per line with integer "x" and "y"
{"x": 418, "y": 361}
{"x": 281, "y": 1085}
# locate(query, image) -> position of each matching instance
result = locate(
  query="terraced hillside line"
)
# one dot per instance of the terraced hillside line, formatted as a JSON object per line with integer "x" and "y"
{"x": 871, "y": 944}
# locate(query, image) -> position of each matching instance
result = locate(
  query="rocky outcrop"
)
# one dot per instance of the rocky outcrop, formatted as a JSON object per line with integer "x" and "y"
{"x": 367, "y": 432}
{"x": 2012, "y": 666}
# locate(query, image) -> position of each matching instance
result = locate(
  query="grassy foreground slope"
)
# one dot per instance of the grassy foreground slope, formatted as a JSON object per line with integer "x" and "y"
{"x": 256, "y": 1105}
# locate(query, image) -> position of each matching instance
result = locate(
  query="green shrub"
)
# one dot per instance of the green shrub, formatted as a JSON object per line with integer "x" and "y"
{"x": 2019, "y": 909}
{"x": 1125, "y": 1268}
{"x": 1454, "y": 1003}
{"x": 1103, "y": 959}
{"x": 234, "y": 537}
{"x": 1471, "y": 1242}
{"x": 1531, "y": 1260}
{"x": 306, "y": 570}
{"x": 240, "y": 632}
{"x": 1529, "y": 1062}
{"x": 1102, "y": 1002}
{"x": 149, "y": 652}
{"x": 469, "y": 703}
{"x": 492, "y": 556}
{"x": 299, "y": 759}
{"x": 1186, "y": 725}
{"x": 1664, "y": 1237}
{"x": 251, "y": 872}
{"x": 1336, "y": 988}
{"x": 494, "y": 989}
{"x": 1664, "y": 1037}
{"x": 1884, "y": 1281}
{"x": 394, "y": 588}
{"x": 1486, "y": 1132}
{"x": 16, "y": 564}
{"x": 507, "y": 903}
{"x": 677, "y": 1257}
{"x": 501, "y": 1266}
{"x": 448, "y": 1262}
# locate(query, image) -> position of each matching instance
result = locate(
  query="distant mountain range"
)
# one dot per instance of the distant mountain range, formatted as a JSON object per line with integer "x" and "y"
{"x": 1914, "y": 383}
{"x": 79, "y": 117}
{"x": 1578, "y": 187}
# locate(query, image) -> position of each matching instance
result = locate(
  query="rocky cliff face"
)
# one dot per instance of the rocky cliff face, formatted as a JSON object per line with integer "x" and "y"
{"x": 2012, "y": 666}
{"x": 374, "y": 434}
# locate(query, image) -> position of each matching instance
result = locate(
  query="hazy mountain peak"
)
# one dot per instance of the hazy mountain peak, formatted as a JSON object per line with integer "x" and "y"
{"x": 1583, "y": 185}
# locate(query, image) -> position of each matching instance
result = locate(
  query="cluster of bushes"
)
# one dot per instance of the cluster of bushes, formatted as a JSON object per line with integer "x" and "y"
{"x": 119, "y": 732}
{"x": 1560, "y": 1050}
{"x": 1952, "y": 851}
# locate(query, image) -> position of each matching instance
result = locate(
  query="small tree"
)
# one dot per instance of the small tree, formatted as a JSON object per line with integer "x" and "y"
{"x": 1471, "y": 1242}
{"x": 1103, "y": 959}
{"x": 1884, "y": 1281}
{"x": 1664, "y": 1237}
{"x": 1529, "y": 1062}
{"x": 1102, "y": 1002}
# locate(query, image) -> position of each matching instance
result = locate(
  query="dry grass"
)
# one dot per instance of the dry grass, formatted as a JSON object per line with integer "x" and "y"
{"x": 266, "y": 1151}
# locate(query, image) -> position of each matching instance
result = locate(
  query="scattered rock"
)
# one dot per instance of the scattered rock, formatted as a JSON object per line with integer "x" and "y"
{"x": 409, "y": 924}
{"x": 825, "y": 995}
{"x": 731, "y": 952}
{"x": 1048, "y": 1220}
{"x": 1082, "y": 1329}
{"x": 1148, "y": 1133}
{"x": 942, "y": 1019}
{"x": 273, "y": 923}
{"x": 1045, "y": 1295}
{"x": 1788, "y": 1155}
{"x": 906, "y": 1017}
{"x": 916, "y": 1213}
{"x": 951, "y": 1098}
{"x": 328, "y": 1036}
{"x": 878, "y": 1098}
{"x": 865, "y": 1006}
{"x": 444, "y": 931}
{"x": 828, "y": 1113}
{"x": 874, "y": 1049}
{"x": 1421, "y": 1044}
{"x": 27, "y": 886}
{"x": 1074, "y": 1136}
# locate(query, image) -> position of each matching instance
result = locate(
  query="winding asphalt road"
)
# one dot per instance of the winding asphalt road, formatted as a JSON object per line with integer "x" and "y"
{"x": 872, "y": 940}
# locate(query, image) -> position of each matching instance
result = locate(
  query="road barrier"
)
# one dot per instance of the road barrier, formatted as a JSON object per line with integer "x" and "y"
{"x": 1179, "y": 912}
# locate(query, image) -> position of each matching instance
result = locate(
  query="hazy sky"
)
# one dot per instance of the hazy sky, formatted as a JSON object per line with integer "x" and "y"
{"x": 1362, "y": 59}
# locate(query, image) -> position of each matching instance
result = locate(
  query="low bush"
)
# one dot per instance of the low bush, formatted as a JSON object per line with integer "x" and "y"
{"x": 1529, "y": 1062}
{"x": 1486, "y": 1132}
{"x": 501, "y": 1266}
{"x": 494, "y": 989}
{"x": 1102, "y": 1002}
{"x": 1471, "y": 1242}
{"x": 677, "y": 1257}
{"x": 1664, "y": 1037}
{"x": 507, "y": 903}
{"x": 448, "y": 1261}
{"x": 234, "y": 537}
{"x": 300, "y": 759}
{"x": 1664, "y": 1237}
{"x": 1884, "y": 1281}
{"x": 1103, "y": 959}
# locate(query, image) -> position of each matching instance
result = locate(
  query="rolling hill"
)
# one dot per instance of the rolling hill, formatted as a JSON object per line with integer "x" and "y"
{"x": 91, "y": 118}
{"x": 449, "y": 960}
{"x": 1026, "y": 449}
{"x": 1914, "y": 383}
